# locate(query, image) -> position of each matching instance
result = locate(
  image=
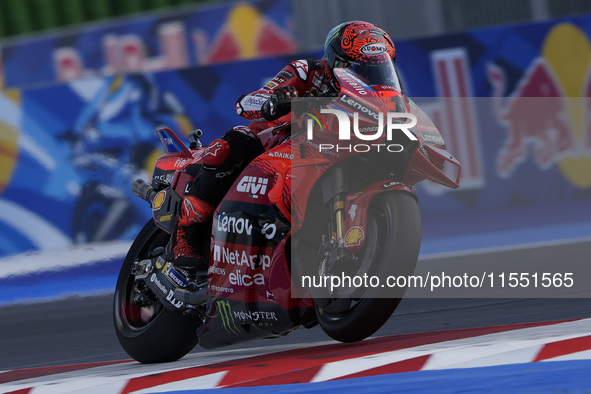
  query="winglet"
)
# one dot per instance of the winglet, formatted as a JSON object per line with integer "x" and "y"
{"x": 170, "y": 141}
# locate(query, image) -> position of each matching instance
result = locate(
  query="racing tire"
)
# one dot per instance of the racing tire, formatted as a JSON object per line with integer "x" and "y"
{"x": 151, "y": 334}
{"x": 393, "y": 238}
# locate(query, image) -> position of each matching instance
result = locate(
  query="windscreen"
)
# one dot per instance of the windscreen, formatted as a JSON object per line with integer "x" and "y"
{"x": 379, "y": 72}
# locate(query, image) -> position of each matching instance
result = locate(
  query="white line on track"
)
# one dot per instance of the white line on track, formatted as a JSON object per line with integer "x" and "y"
{"x": 57, "y": 260}
{"x": 518, "y": 345}
{"x": 203, "y": 382}
{"x": 499, "y": 249}
{"x": 491, "y": 349}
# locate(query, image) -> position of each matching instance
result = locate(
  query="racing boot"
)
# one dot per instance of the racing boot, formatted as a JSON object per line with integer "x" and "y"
{"x": 191, "y": 238}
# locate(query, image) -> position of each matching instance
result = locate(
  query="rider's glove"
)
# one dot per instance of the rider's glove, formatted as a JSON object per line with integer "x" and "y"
{"x": 279, "y": 104}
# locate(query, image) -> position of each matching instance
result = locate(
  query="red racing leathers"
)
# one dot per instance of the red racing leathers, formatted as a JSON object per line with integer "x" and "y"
{"x": 303, "y": 75}
{"x": 226, "y": 157}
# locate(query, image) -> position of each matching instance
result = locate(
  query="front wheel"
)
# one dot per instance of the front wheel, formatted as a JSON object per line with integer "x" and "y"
{"x": 393, "y": 237}
{"x": 146, "y": 330}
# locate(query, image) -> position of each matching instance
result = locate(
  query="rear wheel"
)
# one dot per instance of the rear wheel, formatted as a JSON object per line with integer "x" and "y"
{"x": 146, "y": 330}
{"x": 393, "y": 237}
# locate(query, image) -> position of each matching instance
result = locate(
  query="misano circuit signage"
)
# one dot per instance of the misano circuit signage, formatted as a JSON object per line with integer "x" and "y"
{"x": 512, "y": 104}
{"x": 543, "y": 120}
{"x": 208, "y": 35}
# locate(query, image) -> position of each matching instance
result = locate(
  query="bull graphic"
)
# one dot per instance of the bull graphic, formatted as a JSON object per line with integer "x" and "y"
{"x": 534, "y": 115}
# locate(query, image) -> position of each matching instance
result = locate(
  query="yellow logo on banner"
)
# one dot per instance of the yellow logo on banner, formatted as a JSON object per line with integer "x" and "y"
{"x": 568, "y": 53}
{"x": 9, "y": 134}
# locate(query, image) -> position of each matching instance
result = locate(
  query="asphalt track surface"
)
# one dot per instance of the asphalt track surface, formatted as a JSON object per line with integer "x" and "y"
{"x": 76, "y": 331}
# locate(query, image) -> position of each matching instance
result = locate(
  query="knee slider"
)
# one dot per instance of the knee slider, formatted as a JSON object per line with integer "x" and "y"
{"x": 195, "y": 211}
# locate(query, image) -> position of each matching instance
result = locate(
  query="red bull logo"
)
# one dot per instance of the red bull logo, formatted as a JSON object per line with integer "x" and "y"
{"x": 545, "y": 116}
{"x": 247, "y": 34}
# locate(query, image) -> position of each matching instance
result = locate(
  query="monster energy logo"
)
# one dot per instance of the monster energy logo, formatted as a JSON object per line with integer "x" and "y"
{"x": 226, "y": 315}
{"x": 333, "y": 35}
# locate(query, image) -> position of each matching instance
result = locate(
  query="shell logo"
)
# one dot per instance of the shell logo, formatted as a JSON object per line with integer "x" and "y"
{"x": 354, "y": 236}
{"x": 159, "y": 200}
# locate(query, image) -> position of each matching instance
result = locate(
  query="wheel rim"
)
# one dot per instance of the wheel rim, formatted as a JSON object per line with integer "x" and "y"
{"x": 373, "y": 251}
{"x": 133, "y": 316}
{"x": 136, "y": 316}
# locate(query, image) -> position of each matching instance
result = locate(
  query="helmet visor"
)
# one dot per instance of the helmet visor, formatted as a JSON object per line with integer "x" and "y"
{"x": 380, "y": 71}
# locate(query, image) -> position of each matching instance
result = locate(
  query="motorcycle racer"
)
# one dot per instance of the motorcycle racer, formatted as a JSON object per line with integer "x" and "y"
{"x": 347, "y": 44}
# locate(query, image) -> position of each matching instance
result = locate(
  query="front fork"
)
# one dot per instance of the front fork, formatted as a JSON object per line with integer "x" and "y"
{"x": 337, "y": 190}
{"x": 334, "y": 254}
{"x": 338, "y": 211}
{"x": 349, "y": 210}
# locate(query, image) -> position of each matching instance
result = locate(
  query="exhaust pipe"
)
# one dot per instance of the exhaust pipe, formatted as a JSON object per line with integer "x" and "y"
{"x": 143, "y": 190}
{"x": 197, "y": 297}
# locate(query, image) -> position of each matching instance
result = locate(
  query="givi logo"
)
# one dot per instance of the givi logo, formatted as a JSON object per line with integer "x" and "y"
{"x": 254, "y": 186}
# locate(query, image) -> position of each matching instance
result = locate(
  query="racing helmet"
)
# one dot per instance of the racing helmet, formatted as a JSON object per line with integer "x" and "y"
{"x": 357, "y": 41}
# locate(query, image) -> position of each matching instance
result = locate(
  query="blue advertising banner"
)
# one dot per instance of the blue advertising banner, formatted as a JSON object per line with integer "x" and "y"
{"x": 512, "y": 108}
{"x": 213, "y": 34}
{"x": 70, "y": 151}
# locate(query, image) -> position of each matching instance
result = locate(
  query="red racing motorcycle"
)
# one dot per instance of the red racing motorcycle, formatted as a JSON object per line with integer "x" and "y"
{"x": 321, "y": 205}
